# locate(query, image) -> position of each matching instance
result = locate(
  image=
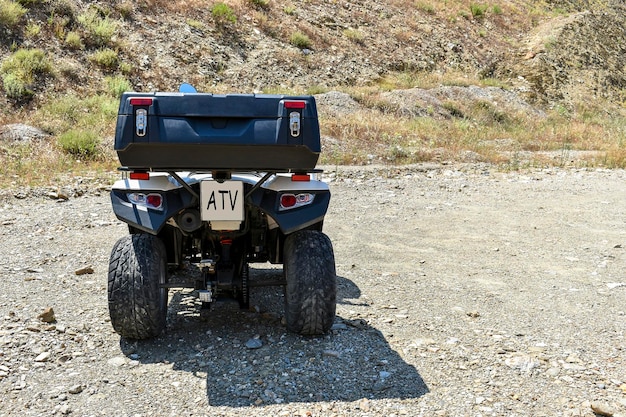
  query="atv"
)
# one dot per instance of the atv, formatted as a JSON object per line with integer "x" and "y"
{"x": 217, "y": 182}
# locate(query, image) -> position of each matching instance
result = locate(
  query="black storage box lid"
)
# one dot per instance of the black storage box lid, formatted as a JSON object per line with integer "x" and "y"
{"x": 200, "y": 131}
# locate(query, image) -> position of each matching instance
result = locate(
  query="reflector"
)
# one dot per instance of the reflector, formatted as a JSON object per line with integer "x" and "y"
{"x": 295, "y": 104}
{"x": 300, "y": 177}
{"x": 140, "y": 101}
{"x": 139, "y": 175}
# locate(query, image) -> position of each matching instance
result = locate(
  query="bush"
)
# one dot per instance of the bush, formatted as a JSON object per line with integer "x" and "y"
{"x": 223, "y": 14}
{"x": 10, "y": 13}
{"x": 105, "y": 58}
{"x": 117, "y": 85}
{"x": 32, "y": 30}
{"x": 478, "y": 10}
{"x": 99, "y": 29}
{"x": 20, "y": 69}
{"x": 300, "y": 40}
{"x": 14, "y": 87}
{"x": 80, "y": 143}
{"x": 73, "y": 40}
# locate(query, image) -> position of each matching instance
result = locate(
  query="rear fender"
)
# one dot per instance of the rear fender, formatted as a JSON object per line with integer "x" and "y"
{"x": 292, "y": 220}
{"x": 150, "y": 220}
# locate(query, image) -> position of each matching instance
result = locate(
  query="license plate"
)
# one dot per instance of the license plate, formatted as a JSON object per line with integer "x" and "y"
{"x": 222, "y": 201}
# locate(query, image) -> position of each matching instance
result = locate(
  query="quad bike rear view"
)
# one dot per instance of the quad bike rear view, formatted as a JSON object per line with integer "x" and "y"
{"x": 219, "y": 182}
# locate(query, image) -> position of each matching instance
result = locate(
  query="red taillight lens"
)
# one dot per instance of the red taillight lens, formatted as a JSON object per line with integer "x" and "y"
{"x": 292, "y": 201}
{"x": 154, "y": 200}
{"x": 140, "y": 101}
{"x": 288, "y": 200}
{"x": 293, "y": 104}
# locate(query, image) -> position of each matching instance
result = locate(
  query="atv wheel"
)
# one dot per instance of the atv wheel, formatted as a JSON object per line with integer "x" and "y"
{"x": 311, "y": 290}
{"x": 137, "y": 300}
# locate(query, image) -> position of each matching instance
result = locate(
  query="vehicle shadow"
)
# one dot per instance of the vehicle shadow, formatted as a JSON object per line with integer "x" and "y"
{"x": 352, "y": 362}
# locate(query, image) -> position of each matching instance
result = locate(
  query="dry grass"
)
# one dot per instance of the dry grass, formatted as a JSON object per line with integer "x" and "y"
{"x": 474, "y": 132}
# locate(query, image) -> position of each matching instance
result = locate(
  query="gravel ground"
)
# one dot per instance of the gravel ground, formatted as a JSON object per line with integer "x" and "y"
{"x": 463, "y": 291}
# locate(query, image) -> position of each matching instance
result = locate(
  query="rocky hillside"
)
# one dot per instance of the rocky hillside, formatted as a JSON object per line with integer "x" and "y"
{"x": 558, "y": 50}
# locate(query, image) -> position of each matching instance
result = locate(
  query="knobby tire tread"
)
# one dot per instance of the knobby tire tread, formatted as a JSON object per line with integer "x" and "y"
{"x": 311, "y": 291}
{"x": 137, "y": 304}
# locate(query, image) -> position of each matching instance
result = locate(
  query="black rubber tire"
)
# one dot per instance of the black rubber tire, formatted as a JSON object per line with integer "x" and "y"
{"x": 311, "y": 282}
{"x": 137, "y": 301}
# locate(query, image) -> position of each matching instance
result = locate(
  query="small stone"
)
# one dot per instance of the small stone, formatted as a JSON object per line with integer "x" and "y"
{"x": 602, "y": 409}
{"x": 254, "y": 343}
{"x": 339, "y": 326}
{"x": 473, "y": 314}
{"x": 331, "y": 353}
{"x": 364, "y": 405}
{"x": 47, "y": 316}
{"x": 43, "y": 357}
{"x": 117, "y": 361}
{"x": 84, "y": 271}
{"x": 384, "y": 374}
{"x": 75, "y": 389}
{"x": 522, "y": 362}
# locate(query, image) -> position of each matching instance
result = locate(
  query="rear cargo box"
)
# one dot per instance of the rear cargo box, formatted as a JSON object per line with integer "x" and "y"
{"x": 196, "y": 131}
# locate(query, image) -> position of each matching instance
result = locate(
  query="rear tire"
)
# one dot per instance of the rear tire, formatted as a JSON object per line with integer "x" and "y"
{"x": 137, "y": 300}
{"x": 311, "y": 282}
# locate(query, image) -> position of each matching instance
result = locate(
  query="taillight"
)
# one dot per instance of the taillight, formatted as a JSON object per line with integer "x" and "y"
{"x": 152, "y": 200}
{"x": 291, "y": 201}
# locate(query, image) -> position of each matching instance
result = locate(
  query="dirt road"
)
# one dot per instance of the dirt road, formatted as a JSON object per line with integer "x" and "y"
{"x": 463, "y": 291}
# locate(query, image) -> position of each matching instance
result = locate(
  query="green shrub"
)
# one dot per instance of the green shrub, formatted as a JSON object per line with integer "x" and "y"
{"x": 10, "y": 13}
{"x": 80, "y": 143}
{"x": 73, "y": 40}
{"x": 117, "y": 85}
{"x": 14, "y": 87}
{"x": 32, "y": 30}
{"x": 354, "y": 35}
{"x": 223, "y": 14}
{"x": 99, "y": 29}
{"x": 20, "y": 69}
{"x": 105, "y": 58}
{"x": 478, "y": 10}
{"x": 300, "y": 40}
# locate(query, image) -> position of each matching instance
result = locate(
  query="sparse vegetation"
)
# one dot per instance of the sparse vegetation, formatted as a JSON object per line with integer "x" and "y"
{"x": 32, "y": 30}
{"x": 300, "y": 40}
{"x": 74, "y": 41}
{"x": 99, "y": 29}
{"x": 20, "y": 70}
{"x": 223, "y": 14}
{"x": 117, "y": 85}
{"x": 383, "y": 131}
{"x": 354, "y": 35}
{"x": 79, "y": 143}
{"x": 11, "y": 13}
{"x": 260, "y": 4}
{"x": 105, "y": 58}
{"x": 478, "y": 10}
